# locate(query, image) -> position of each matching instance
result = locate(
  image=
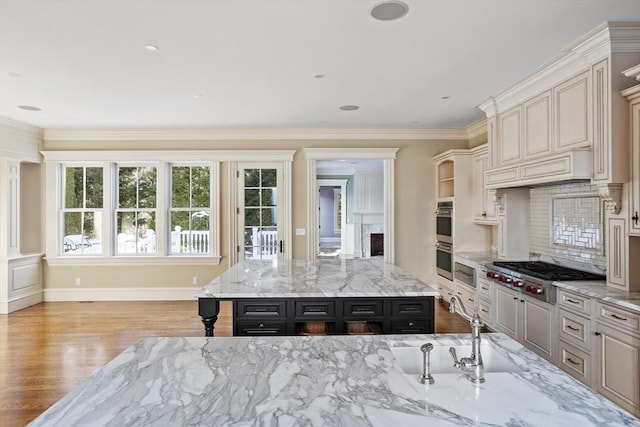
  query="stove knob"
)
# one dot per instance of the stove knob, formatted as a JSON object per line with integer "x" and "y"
{"x": 538, "y": 291}
{"x": 528, "y": 288}
{"x": 491, "y": 275}
{"x": 518, "y": 284}
{"x": 508, "y": 280}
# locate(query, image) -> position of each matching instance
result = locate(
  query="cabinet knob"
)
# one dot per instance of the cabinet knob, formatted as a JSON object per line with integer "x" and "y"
{"x": 261, "y": 326}
{"x": 597, "y": 333}
{"x": 411, "y": 323}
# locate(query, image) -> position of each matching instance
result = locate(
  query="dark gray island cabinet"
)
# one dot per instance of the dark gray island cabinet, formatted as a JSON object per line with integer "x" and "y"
{"x": 320, "y": 297}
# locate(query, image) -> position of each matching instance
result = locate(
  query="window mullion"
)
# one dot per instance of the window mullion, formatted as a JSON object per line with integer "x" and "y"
{"x": 162, "y": 187}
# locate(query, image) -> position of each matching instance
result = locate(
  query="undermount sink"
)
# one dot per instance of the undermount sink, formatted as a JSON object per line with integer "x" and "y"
{"x": 411, "y": 359}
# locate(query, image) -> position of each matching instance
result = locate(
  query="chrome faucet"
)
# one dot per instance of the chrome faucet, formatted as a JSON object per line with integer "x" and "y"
{"x": 471, "y": 366}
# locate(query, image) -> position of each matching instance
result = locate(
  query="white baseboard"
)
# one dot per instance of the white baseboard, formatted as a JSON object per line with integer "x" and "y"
{"x": 21, "y": 302}
{"x": 120, "y": 294}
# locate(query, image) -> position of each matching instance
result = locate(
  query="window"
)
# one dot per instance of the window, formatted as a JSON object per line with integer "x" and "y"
{"x": 190, "y": 209}
{"x": 136, "y": 210}
{"x": 82, "y": 210}
{"x": 151, "y": 206}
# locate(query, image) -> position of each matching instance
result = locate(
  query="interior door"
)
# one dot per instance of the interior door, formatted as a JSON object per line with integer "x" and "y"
{"x": 260, "y": 210}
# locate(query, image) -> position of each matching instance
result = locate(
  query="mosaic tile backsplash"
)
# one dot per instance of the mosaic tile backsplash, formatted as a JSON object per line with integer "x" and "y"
{"x": 567, "y": 223}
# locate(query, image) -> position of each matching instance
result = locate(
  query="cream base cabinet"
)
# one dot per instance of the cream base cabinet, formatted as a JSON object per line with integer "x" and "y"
{"x": 507, "y": 312}
{"x": 618, "y": 372}
{"x": 617, "y": 334}
{"x": 526, "y": 320}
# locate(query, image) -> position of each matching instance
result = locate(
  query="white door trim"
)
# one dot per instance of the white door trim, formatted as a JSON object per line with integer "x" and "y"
{"x": 387, "y": 155}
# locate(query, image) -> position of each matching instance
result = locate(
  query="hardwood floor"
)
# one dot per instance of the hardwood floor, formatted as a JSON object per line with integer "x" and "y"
{"x": 48, "y": 349}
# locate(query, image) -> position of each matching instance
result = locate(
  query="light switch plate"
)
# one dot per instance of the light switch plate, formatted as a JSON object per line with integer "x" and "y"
{"x": 301, "y": 232}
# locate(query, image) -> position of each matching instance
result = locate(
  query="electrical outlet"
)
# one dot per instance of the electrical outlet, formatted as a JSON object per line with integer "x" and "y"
{"x": 77, "y": 281}
{"x": 194, "y": 280}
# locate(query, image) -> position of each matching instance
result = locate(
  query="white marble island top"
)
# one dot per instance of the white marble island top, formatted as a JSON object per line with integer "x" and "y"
{"x": 364, "y": 277}
{"x": 321, "y": 381}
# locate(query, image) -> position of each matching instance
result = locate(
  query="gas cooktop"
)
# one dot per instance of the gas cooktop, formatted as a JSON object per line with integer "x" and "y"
{"x": 546, "y": 271}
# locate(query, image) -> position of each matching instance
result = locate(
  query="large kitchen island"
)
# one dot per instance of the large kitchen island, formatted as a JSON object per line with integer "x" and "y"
{"x": 293, "y": 297}
{"x": 332, "y": 381}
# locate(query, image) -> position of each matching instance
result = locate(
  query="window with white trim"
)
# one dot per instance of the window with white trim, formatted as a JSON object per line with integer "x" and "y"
{"x": 139, "y": 208}
{"x": 190, "y": 209}
{"x": 81, "y": 212}
{"x": 136, "y": 210}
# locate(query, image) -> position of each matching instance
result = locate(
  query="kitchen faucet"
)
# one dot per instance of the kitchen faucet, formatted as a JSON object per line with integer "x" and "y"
{"x": 471, "y": 366}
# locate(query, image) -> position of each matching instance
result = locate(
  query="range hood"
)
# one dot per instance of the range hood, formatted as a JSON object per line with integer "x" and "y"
{"x": 568, "y": 166}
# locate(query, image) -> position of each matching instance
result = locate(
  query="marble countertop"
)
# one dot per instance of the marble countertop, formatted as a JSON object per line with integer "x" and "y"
{"x": 322, "y": 381}
{"x": 363, "y": 277}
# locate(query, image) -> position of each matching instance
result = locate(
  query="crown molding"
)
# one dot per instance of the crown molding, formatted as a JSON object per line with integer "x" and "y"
{"x": 249, "y": 134}
{"x": 170, "y": 155}
{"x": 477, "y": 128}
{"x": 20, "y": 128}
{"x": 633, "y": 72}
{"x": 600, "y": 43}
{"x": 350, "y": 153}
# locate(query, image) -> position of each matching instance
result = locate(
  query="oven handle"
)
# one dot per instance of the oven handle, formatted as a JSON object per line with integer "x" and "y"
{"x": 444, "y": 247}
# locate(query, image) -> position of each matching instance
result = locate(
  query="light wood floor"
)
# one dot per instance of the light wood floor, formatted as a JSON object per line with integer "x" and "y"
{"x": 48, "y": 349}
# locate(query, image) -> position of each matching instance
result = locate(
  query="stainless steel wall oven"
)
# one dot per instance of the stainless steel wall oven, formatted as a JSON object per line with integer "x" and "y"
{"x": 444, "y": 228}
{"x": 444, "y": 260}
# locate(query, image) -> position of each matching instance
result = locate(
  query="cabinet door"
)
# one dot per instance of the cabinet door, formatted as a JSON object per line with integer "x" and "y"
{"x": 507, "y": 306}
{"x": 616, "y": 250}
{"x": 618, "y": 373}
{"x": 634, "y": 225}
{"x": 572, "y": 113}
{"x": 509, "y": 135}
{"x": 601, "y": 133}
{"x": 537, "y": 125}
{"x": 537, "y": 321}
{"x": 479, "y": 165}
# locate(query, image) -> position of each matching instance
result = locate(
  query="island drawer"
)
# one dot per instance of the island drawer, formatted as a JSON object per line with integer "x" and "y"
{"x": 260, "y": 328}
{"x": 363, "y": 308}
{"x": 411, "y": 307}
{"x": 316, "y": 309}
{"x": 263, "y": 309}
{"x": 411, "y": 327}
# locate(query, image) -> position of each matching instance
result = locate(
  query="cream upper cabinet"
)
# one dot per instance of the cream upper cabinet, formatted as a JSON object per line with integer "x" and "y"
{"x": 484, "y": 200}
{"x": 633, "y": 95}
{"x": 537, "y": 125}
{"x": 571, "y": 105}
{"x": 572, "y": 116}
{"x": 509, "y": 135}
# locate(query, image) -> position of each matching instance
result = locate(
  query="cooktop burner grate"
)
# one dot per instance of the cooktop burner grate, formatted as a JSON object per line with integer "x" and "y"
{"x": 547, "y": 271}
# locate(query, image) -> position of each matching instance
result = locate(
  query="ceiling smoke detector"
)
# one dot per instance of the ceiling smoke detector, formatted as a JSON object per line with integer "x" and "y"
{"x": 349, "y": 108}
{"x": 389, "y": 10}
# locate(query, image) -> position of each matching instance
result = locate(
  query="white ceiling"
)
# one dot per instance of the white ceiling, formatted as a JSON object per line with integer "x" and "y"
{"x": 85, "y": 65}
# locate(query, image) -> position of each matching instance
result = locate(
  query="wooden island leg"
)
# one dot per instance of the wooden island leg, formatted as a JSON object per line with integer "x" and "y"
{"x": 208, "y": 309}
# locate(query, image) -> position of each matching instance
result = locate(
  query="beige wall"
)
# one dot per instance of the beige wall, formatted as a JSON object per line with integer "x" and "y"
{"x": 414, "y": 207}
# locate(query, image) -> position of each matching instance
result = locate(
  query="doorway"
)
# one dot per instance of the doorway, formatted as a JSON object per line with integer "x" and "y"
{"x": 332, "y": 217}
{"x": 383, "y": 184}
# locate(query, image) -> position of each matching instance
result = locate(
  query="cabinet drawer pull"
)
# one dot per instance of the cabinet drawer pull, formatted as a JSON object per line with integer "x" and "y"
{"x": 572, "y": 361}
{"x": 572, "y": 328}
{"x": 483, "y": 310}
{"x": 515, "y": 298}
{"x": 597, "y": 334}
{"x": 484, "y": 289}
{"x": 618, "y": 317}
{"x": 572, "y": 301}
{"x": 261, "y": 326}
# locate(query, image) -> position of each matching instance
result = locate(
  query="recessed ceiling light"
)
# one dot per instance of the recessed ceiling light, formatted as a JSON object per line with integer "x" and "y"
{"x": 319, "y": 76}
{"x": 389, "y": 10}
{"x": 16, "y": 75}
{"x": 445, "y": 97}
{"x": 29, "y": 108}
{"x": 323, "y": 122}
{"x": 151, "y": 47}
{"x": 198, "y": 96}
{"x": 349, "y": 108}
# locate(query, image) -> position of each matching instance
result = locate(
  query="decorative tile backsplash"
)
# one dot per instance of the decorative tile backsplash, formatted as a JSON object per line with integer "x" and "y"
{"x": 567, "y": 222}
